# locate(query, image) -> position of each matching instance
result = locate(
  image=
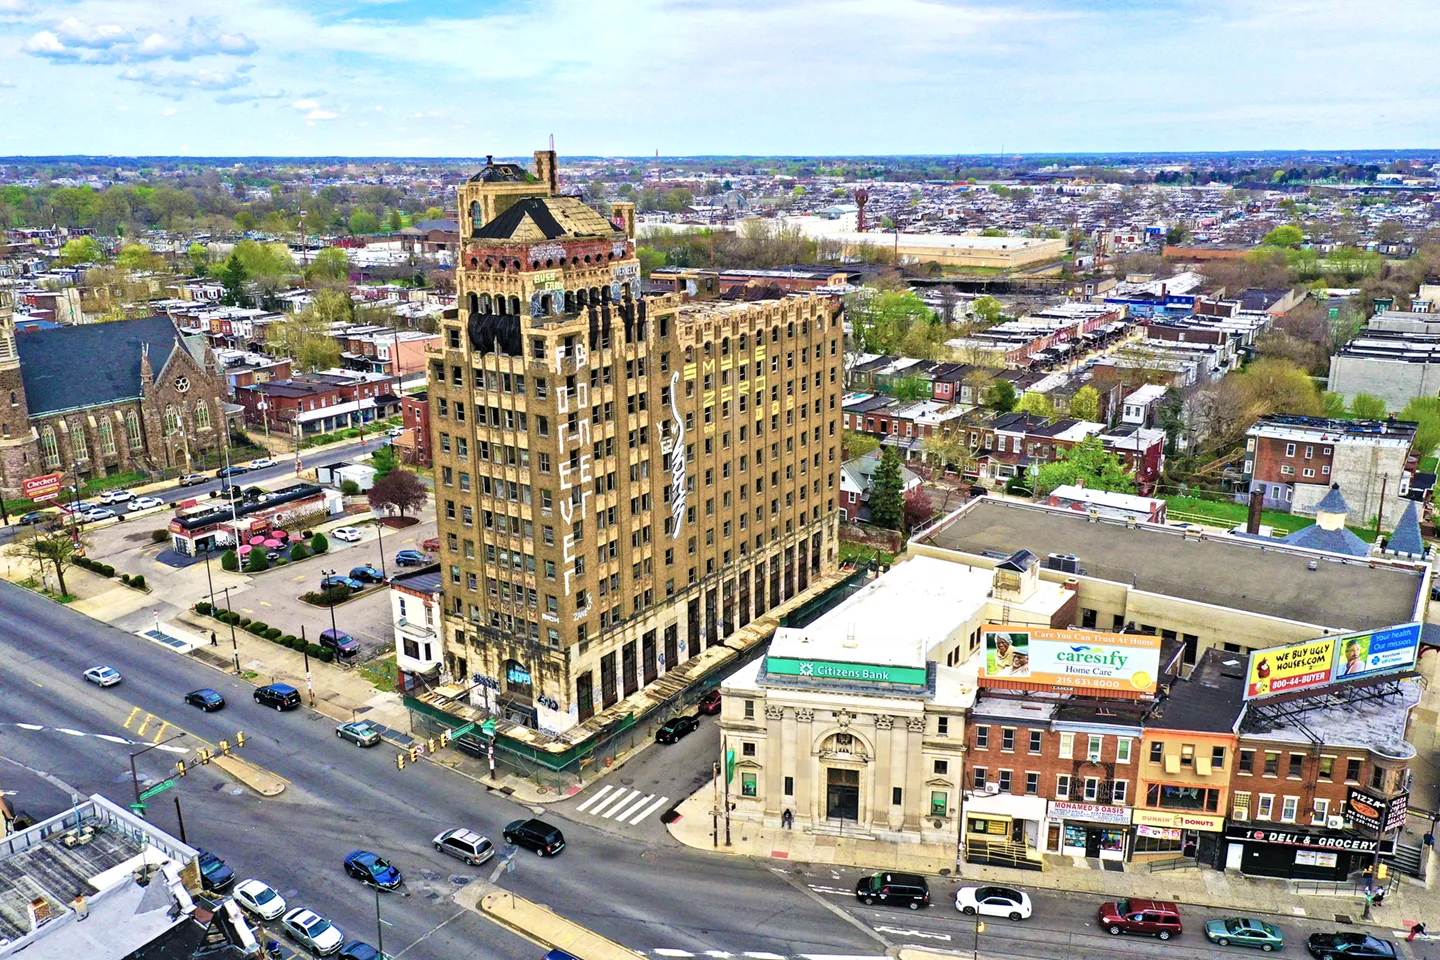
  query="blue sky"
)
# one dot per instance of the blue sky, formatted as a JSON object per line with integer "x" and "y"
{"x": 613, "y": 77}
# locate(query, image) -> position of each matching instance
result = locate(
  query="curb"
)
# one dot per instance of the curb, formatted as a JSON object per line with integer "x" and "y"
{"x": 262, "y": 781}
{"x": 601, "y": 948}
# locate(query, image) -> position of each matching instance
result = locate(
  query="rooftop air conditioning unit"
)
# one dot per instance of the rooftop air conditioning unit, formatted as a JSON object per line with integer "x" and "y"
{"x": 992, "y": 788}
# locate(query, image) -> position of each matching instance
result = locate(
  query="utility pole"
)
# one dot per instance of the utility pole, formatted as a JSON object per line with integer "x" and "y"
{"x": 714, "y": 811}
{"x": 1384, "y": 479}
{"x": 135, "y": 777}
{"x": 305, "y": 652}
{"x": 234, "y": 644}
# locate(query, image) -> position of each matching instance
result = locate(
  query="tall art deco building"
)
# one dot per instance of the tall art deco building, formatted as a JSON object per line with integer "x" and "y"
{"x": 620, "y": 481}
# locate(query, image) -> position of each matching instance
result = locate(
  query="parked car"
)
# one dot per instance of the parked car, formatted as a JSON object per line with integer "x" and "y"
{"x": 348, "y": 583}
{"x": 430, "y": 544}
{"x": 116, "y": 496}
{"x": 1158, "y": 918}
{"x": 312, "y": 931}
{"x": 362, "y": 733}
{"x": 281, "y": 696}
{"x": 260, "y": 463}
{"x": 347, "y": 534}
{"x": 360, "y": 950}
{"x": 226, "y": 472}
{"x": 342, "y": 643}
{"x": 144, "y": 503}
{"x": 894, "y": 889}
{"x": 465, "y": 845}
{"x": 206, "y": 699}
{"x": 104, "y": 676}
{"x": 30, "y": 519}
{"x": 97, "y": 513}
{"x": 191, "y": 479}
{"x": 80, "y": 506}
{"x": 259, "y": 898}
{"x": 710, "y": 703}
{"x": 373, "y": 869}
{"x": 394, "y": 431}
{"x": 535, "y": 835}
{"x": 367, "y": 574}
{"x": 215, "y": 874}
{"x": 1245, "y": 932}
{"x": 993, "y": 902}
{"x": 676, "y": 727}
{"x": 410, "y": 558}
{"x": 1340, "y": 946}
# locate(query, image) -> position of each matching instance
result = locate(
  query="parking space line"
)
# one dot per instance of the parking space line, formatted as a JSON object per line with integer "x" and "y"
{"x": 649, "y": 810}
{"x": 630, "y": 809}
{"x": 593, "y": 797}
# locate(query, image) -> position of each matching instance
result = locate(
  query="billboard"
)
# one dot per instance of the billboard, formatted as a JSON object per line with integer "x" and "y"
{"x": 1327, "y": 660}
{"x": 41, "y": 488}
{"x": 1040, "y": 659}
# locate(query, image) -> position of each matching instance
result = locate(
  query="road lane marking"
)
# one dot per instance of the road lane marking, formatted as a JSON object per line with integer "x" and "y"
{"x": 68, "y": 731}
{"x": 649, "y": 810}
{"x": 160, "y": 734}
{"x": 619, "y": 796}
{"x": 143, "y": 724}
{"x": 672, "y": 953}
{"x": 760, "y": 955}
{"x": 134, "y": 711}
{"x": 30, "y": 726}
{"x": 915, "y": 933}
{"x": 630, "y": 809}
{"x": 593, "y": 797}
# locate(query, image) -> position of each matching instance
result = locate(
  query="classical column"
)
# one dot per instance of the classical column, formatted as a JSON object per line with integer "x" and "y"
{"x": 774, "y": 761}
{"x": 914, "y": 773}
{"x": 880, "y": 774}
{"x": 806, "y": 766}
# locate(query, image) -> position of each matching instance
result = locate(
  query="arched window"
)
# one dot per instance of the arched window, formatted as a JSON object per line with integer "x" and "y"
{"x": 14, "y": 399}
{"x": 546, "y": 305}
{"x": 594, "y": 294}
{"x": 500, "y": 306}
{"x": 474, "y": 214}
{"x": 172, "y": 420}
{"x": 582, "y": 297}
{"x": 107, "y": 438}
{"x": 624, "y": 291}
{"x": 132, "y": 430}
{"x": 515, "y": 301}
{"x": 78, "y": 448}
{"x": 485, "y": 303}
{"x": 474, "y": 303}
{"x": 569, "y": 301}
{"x": 49, "y": 449}
{"x": 202, "y": 416}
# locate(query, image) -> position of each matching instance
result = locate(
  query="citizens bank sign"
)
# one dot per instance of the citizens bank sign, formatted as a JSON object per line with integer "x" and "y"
{"x": 677, "y": 462}
{"x": 834, "y": 670}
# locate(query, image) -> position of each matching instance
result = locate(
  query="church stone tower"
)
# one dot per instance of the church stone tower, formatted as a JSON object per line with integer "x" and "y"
{"x": 19, "y": 453}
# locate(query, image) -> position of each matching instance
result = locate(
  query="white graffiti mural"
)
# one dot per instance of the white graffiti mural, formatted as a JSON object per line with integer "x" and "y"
{"x": 575, "y": 482}
{"x": 547, "y": 251}
{"x": 677, "y": 461}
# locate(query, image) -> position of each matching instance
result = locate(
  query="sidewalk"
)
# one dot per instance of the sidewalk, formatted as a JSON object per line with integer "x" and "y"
{"x": 1215, "y": 889}
{"x": 538, "y": 924}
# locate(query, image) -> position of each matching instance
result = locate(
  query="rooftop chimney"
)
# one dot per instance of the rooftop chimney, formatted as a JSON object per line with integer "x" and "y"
{"x": 547, "y": 170}
{"x": 1257, "y": 503}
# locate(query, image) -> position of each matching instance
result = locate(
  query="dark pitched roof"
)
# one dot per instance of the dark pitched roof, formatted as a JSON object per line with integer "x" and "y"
{"x": 1333, "y": 502}
{"x": 530, "y": 219}
{"x": 1341, "y": 541}
{"x": 92, "y": 364}
{"x": 1406, "y": 539}
{"x": 502, "y": 173}
{"x": 505, "y": 225}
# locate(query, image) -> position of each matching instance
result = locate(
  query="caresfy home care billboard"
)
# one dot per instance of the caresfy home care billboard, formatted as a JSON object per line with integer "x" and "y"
{"x": 1328, "y": 660}
{"x": 1031, "y": 658}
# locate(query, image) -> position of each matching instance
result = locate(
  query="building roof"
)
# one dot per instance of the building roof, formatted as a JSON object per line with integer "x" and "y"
{"x": 545, "y": 218}
{"x": 494, "y": 172}
{"x": 1406, "y": 539}
{"x": 1333, "y": 502}
{"x": 92, "y": 364}
{"x": 1225, "y": 571}
{"x": 424, "y": 580}
{"x": 1208, "y": 701}
{"x": 1316, "y": 537}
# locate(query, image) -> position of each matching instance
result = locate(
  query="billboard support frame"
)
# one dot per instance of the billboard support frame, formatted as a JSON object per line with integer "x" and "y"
{"x": 1262, "y": 714}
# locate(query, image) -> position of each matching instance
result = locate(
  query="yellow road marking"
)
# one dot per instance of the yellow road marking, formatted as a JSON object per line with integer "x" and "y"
{"x": 38, "y": 684}
{"x": 130, "y": 719}
{"x": 140, "y": 732}
{"x": 160, "y": 734}
{"x": 265, "y": 603}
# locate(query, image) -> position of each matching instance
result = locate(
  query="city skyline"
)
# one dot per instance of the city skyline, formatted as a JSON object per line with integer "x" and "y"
{"x": 394, "y": 77}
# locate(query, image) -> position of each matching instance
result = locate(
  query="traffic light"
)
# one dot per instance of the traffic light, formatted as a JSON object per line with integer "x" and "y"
{"x": 202, "y": 755}
{"x": 180, "y": 770}
{"x": 432, "y": 745}
{"x": 414, "y": 753}
{"x": 240, "y": 738}
{"x": 225, "y": 747}
{"x": 400, "y": 761}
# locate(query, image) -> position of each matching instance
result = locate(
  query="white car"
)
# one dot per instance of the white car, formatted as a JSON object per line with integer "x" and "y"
{"x": 993, "y": 902}
{"x": 394, "y": 431}
{"x": 348, "y": 534}
{"x": 116, "y": 496}
{"x": 260, "y": 463}
{"x": 103, "y": 676}
{"x": 259, "y": 898}
{"x": 97, "y": 513}
{"x": 144, "y": 503}
{"x": 318, "y": 935}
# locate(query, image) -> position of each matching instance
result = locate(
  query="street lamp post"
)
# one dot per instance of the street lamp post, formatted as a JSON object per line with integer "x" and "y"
{"x": 234, "y": 644}
{"x": 380, "y": 533}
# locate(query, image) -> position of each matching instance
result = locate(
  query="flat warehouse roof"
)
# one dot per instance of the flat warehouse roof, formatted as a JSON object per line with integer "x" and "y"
{"x": 1223, "y": 571}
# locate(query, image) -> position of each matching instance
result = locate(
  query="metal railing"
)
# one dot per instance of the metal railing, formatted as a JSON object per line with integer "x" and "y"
{"x": 1172, "y": 863}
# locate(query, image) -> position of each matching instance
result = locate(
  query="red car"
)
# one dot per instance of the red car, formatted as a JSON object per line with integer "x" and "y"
{"x": 431, "y": 545}
{"x": 710, "y": 703}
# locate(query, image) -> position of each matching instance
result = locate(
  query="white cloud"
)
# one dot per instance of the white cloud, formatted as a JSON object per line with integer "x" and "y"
{"x": 202, "y": 79}
{"x": 171, "y": 111}
{"x": 425, "y": 115}
{"x": 78, "y": 41}
{"x": 7, "y": 83}
{"x": 319, "y": 114}
{"x": 306, "y": 104}
{"x": 251, "y": 96}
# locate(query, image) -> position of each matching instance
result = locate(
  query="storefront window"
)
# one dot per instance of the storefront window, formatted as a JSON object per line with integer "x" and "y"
{"x": 1168, "y": 797}
{"x": 1157, "y": 840}
{"x": 747, "y": 784}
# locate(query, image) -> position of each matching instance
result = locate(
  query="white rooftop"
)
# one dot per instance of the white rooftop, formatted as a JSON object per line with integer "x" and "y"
{"x": 1104, "y": 498}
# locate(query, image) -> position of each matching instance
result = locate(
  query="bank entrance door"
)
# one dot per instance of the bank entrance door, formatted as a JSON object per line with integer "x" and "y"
{"x": 842, "y": 794}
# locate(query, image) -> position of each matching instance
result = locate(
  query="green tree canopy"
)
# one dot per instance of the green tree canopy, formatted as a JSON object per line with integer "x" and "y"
{"x": 1000, "y": 396}
{"x": 363, "y": 221}
{"x": 1366, "y": 407}
{"x": 267, "y": 265}
{"x": 198, "y": 256}
{"x": 1424, "y": 411}
{"x": 882, "y": 321}
{"x": 135, "y": 256}
{"x": 81, "y": 250}
{"x": 887, "y": 493}
{"x": 332, "y": 263}
{"x": 987, "y": 309}
{"x": 1032, "y": 401}
{"x": 853, "y": 443}
{"x": 234, "y": 278}
{"x": 1085, "y": 405}
{"x": 1288, "y": 235}
{"x": 384, "y": 461}
{"x": 1087, "y": 461}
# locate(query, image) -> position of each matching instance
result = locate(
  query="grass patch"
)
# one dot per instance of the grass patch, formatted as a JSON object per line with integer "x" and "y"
{"x": 860, "y": 552}
{"x": 382, "y": 673}
{"x": 1226, "y": 514}
{"x": 350, "y": 433}
{"x": 1429, "y": 464}
{"x": 87, "y": 490}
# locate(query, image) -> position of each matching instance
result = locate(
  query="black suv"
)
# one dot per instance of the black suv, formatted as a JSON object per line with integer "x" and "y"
{"x": 535, "y": 835}
{"x": 894, "y": 889}
{"x": 281, "y": 696}
{"x": 215, "y": 874}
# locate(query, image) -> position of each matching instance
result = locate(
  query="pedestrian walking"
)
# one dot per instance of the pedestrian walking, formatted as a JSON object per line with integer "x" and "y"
{"x": 1415, "y": 931}
{"x": 214, "y": 642}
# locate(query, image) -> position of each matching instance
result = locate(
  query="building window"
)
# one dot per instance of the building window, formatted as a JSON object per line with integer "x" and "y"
{"x": 1170, "y": 797}
{"x": 202, "y": 416}
{"x": 1297, "y": 765}
{"x": 1247, "y": 761}
{"x": 1288, "y": 808}
{"x": 1004, "y": 781}
{"x": 982, "y": 738}
{"x": 1035, "y": 739}
{"x": 897, "y": 796}
{"x": 49, "y": 450}
{"x": 1272, "y": 763}
{"x": 1122, "y": 750}
{"x": 939, "y": 803}
{"x": 1352, "y": 770}
{"x": 747, "y": 749}
{"x": 1067, "y": 746}
{"x": 132, "y": 429}
{"x": 1263, "y": 805}
{"x": 1157, "y": 752}
{"x": 1327, "y": 768}
{"x": 789, "y": 786}
{"x": 1320, "y": 813}
{"x": 747, "y": 785}
{"x": 107, "y": 438}
{"x": 1119, "y": 791}
{"x": 1007, "y": 739}
{"x": 1062, "y": 786}
{"x": 978, "y": 777}
{"x": 942, "y": 726}
{"x": 172, "y": 420}
{"x": 1092, "y": 789}
{"x": 749, "y": 709}
{"x": 1032, "y": 784}
{"x": 1092, "y": 753}
{"x": 1217, "y": 757}
{"x": 942, "y": 767}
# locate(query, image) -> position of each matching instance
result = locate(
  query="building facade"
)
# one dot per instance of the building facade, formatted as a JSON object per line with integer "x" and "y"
{"x": 621, "y": 481}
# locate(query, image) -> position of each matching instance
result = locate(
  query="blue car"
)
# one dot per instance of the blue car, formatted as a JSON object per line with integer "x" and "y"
{"x": 367, "y": 574}
{"x": 349, "y": 583}
{"x": 360, "y": 950}
{"x": 373, "y": 869}
{"x": 215, "y": 874}
{"x": 410, "y": 558}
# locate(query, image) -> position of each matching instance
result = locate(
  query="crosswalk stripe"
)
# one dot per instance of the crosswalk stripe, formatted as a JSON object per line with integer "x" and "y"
{"x": 672, "y": 953}
{"x": 617, "y": 798}
{"x": 630, "y": 809}
{"x": 594, "y": 796}
{"x": 649, "y": 810}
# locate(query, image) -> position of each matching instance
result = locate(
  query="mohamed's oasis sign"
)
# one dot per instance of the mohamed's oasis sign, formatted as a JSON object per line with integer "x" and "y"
{"x": 836, "y": 670}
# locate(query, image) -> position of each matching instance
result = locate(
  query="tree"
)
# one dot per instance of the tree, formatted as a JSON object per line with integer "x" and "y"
{"x": 332, "y": 263}
{"x": 1085, "y": 405}
{"x": 853, "y": 444}
{"x": 948, "y": 450}
{"x": 887, "y": 508}
{"x": 1390, "y": 231}
{"x": 233, "y": 278}
{"x": 1425, "y": 412}
{"x": 1278, "y": 386}
{"x": 384, "y": 460}
{"x": 1288, "y": 235}
{"x": 917, "y": 508}
{"x": 400, "y": 490}
{"x": 199, "y": 257}
{"x": 363, "y": 221}
{"x": 1088, "y": 461}
{"x": 267, "y": 265}
{"x": 318, "y": 544}
{"x": 1334, "y": 404}
{"x": 987, "y": 310}
{"x": 1000, "y": 396}
{"x": 432, "y": 213}
{"x": 229, "y": 560}
{"x": 256, "y": 561}
{"x": 910, "y": 388}
{"x": 244, "y": 221}
{"x": 136, "y": 256}
{"x": 1036, "y": 403}
{"x": 1367, "y": 407}
{"x": 394, "y": 220}
{"x": 58, "y": 548}
{"x": 881, "y": 321}
{"x": 81, "y": 250}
